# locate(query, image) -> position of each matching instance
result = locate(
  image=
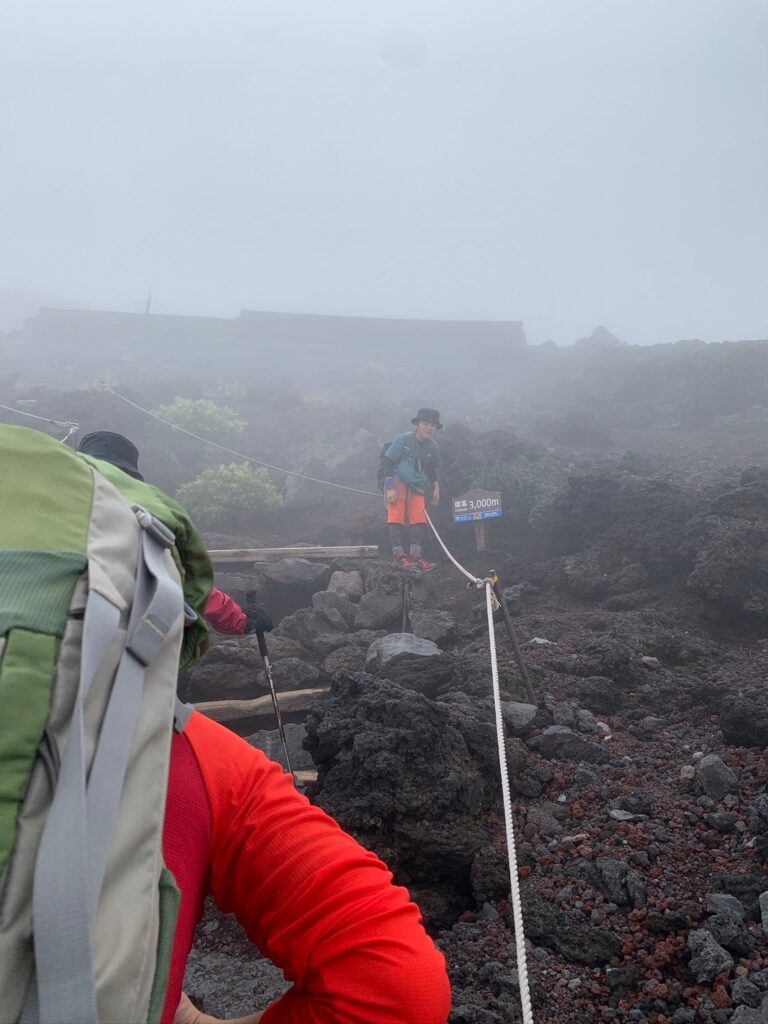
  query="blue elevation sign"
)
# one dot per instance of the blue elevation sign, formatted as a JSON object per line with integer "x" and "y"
{"x": 477, "y": 505}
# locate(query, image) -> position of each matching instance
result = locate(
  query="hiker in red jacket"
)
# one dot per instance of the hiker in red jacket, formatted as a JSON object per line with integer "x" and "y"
{"x": 321, "y": 907}
{"x": 221, "y": 611}
{"x": 317, "y": 904}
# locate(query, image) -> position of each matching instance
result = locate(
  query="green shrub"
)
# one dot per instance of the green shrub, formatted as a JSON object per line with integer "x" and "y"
{"x": 233, "y": 493}
{"x": 202, "y": 416}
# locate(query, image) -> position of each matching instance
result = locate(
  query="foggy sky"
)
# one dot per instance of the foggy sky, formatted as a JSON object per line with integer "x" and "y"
{"x": 564, "y": 162}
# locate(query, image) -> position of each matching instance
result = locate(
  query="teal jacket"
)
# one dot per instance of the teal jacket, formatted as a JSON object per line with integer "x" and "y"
{"x": 416, "y": 463}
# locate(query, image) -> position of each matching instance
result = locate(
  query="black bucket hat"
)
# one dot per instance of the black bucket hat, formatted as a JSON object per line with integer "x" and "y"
{"x": 428, "y": 416}
{"x": 112, "y": 448}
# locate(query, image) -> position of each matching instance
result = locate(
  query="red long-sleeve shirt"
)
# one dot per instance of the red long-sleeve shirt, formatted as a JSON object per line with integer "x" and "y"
{"x": 224, "y": 614}
{"x": 321, "y": 907}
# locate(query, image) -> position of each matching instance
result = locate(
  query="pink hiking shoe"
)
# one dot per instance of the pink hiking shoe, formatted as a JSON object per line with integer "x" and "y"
{"x": 404, "y": 562}
{"x": 423, "y": 564}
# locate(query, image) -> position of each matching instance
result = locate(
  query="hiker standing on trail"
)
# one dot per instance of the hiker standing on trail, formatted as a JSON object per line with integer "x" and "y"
{"x": 223, "y": 613}
{"x": 412, "y": 467}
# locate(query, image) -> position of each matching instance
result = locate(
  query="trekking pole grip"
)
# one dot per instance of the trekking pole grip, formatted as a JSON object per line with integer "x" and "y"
{"x": 262, "y": 644}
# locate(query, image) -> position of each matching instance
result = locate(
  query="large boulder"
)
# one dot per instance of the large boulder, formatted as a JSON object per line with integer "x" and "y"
{"x": 328, "y": 600}
{"x": 434, "y": 624}
{"x": 559, "y": 743}
{"x": 396, "y": 646}
{"x": 520, "y": 719}
{"x": 348, "y": 584}
{"x": 308, "y": 623}
{"x": 715, "y": 777}
{"x": 379, "y": 610}
{"x": 411, "y": 778}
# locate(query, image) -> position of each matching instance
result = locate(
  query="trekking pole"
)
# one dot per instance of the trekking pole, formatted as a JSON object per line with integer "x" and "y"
{"x": 406, "y": 596}
{"x": 523, "y": 668}
{"x": 268, "y": 672}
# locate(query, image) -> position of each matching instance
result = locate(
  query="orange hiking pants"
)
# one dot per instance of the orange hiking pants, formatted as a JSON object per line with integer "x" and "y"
{"x": 409, "y": 507}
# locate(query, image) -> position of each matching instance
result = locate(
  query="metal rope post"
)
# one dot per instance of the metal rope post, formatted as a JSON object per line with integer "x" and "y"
{"x": 522, "y": 667}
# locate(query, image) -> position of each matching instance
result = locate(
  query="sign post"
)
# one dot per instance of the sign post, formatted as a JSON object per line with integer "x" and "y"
{"x": 475, "y": 507}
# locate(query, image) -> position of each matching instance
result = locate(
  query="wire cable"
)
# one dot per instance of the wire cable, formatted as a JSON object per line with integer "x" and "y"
{"x": 231, "y": 451}
{"x": 42, "y": 419}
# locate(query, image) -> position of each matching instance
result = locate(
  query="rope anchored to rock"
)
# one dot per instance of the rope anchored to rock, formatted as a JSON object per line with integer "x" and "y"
{"x": 491, "y": 604}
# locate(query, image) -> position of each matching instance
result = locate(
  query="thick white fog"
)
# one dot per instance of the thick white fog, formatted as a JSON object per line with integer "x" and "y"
{"x": 565, "y": 164}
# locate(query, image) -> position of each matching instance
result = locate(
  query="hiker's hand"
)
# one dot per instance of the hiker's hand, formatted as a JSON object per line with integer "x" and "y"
{"x": 257, "y": 619}
{"x": 435, "y": 492}
{"x": 392, "y": 496}
{"x": 188, "y": 1013}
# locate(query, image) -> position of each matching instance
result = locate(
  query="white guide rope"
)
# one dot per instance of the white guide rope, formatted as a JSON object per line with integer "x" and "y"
{"x": 491, "y": 603}
{"x": 517, "y": 904}
{"x": 464, "y": 572}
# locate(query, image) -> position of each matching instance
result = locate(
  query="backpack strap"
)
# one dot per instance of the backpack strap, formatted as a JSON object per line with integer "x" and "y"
{"x": 157, "y": 604}
{"x": 73, "y": 851}
{"x": 60, "y": 897}
{"x": 181, "y": 715}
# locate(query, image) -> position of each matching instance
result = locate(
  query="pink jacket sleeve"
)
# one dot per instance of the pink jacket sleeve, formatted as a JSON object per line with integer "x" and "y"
{"x": 224, "y": 614}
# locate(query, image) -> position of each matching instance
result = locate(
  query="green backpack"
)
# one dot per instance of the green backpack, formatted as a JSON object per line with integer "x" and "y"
{"x": 91, "y": 624}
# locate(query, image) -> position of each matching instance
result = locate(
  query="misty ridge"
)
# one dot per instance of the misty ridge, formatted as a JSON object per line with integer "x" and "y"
{"x": 484, "y": 372}
{"x": 320, "y": 395}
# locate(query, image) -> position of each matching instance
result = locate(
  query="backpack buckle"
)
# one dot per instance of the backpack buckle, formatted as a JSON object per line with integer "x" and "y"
{"x": 157, "y": 530}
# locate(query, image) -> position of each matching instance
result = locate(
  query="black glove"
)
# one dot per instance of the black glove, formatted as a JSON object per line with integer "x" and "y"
{"x": 257, "y": 619}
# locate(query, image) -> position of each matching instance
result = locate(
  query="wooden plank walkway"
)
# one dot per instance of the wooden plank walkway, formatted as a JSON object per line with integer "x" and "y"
{"x": 223, "y": 556}
{"x": 290, "y": 702}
